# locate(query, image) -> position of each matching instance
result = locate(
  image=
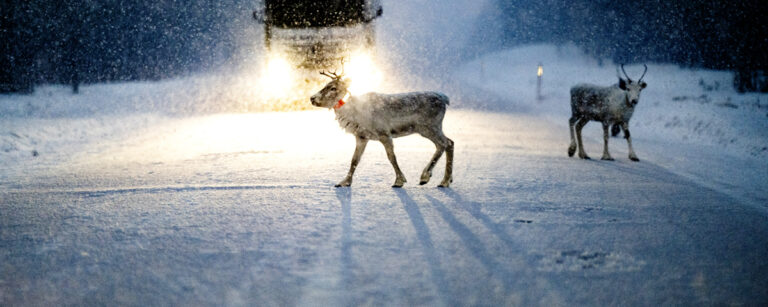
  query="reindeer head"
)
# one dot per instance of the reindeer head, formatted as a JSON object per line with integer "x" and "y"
{"x": 631, "y": 87}
{"x": 333, "y": 91}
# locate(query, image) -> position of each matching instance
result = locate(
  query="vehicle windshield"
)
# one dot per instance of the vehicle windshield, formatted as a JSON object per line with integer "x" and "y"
{"x": 312, "y": 13}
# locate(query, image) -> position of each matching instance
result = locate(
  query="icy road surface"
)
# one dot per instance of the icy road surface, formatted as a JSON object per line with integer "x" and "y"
{"x": 241, "y": 210}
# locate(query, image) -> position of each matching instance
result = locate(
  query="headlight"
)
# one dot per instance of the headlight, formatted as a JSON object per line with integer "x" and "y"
{"x": 276, "y": 78}
{"x": 363, "y": 73}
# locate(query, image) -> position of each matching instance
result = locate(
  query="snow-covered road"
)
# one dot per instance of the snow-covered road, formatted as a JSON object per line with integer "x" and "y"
{"x": 240, "y": 209}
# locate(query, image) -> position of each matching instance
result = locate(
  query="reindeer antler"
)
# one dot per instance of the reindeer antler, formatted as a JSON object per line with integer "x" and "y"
{"x": 645, "y": 71}
{"x": 332, "y": 75}
{"x": 342, "y": 66}
{"x": 625, "y": 73}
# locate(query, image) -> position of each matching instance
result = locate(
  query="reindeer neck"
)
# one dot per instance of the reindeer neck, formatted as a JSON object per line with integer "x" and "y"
{"x": 626, "y": 100}
{"x": 344, "y": 100}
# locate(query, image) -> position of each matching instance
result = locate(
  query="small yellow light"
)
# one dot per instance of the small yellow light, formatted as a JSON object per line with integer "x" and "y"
{"x": 540, "y": 71}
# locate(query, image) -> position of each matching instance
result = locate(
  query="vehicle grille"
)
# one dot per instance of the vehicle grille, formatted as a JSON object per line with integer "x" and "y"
{"x": 318, "y": 48}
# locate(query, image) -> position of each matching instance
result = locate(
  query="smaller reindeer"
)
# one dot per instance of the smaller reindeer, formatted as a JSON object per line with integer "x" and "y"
{"x": 382, "y": 117}
{"x": 612, "y": 105}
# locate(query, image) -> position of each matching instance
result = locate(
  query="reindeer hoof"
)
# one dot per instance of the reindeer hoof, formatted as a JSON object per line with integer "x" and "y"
{"x": 344, "y": 183}
{"x": 425, "y": 176}
{"x": 424, "y": 180}
{"x": 445, "y": 183}
{"x": 634, "y": 159}
{"x": 585, "y": 157}
{"x": 571, "y": 151}
{"x": 399, "y": 183}
{"x": 607, "y": 158}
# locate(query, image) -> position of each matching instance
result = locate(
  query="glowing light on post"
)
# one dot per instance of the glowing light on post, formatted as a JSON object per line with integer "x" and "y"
{"x": 363, "y": 73}
{"x": 539, "y": 74}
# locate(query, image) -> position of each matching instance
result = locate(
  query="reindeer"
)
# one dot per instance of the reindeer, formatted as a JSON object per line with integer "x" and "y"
{"x": 382, "y": 117}
{"x": 608, "y": 105}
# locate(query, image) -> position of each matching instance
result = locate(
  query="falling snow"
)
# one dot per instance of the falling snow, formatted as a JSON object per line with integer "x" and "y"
{"x": 177, "y": 182}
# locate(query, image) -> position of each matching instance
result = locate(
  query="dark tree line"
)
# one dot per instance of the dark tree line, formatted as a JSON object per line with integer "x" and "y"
{"x": 86, "y": 41}
{"x": 717, "y": 34}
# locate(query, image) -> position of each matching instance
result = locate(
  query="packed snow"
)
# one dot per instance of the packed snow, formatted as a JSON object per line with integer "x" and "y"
{"x": 203, "y": 190}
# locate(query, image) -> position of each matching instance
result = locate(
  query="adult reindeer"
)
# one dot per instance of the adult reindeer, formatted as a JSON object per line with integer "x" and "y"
{"x": 382, "y": 117}
{"x": 608, "y": 105}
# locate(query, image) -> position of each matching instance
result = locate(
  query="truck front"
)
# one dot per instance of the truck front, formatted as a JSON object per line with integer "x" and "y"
{"x": 304, "y": 37}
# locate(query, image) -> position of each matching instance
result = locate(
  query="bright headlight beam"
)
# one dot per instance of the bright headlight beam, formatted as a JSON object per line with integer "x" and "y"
{"x": 363, "y": 73}
{"x": 276, "y": 78}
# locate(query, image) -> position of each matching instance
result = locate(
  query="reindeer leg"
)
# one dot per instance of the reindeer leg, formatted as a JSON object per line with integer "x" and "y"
{"x": 606, "y": 154}
{"x": 632, "y": 155}
{"x": 448, "y": 178}
{"x": 390, "y": 149}
{"x": 440, "y": 144}
{"x": 359, "y": 149}
{"x": 572, "y": 148}
{"x": 578, "y": 127}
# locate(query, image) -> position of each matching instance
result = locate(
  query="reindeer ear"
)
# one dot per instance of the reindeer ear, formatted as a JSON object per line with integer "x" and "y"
{"x": 643, "y": 84}
{"x": 622, "y": 84}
